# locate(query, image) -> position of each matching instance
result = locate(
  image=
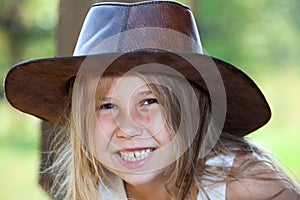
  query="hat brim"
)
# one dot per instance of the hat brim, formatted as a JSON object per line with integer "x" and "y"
{"x": 38, "y": 87}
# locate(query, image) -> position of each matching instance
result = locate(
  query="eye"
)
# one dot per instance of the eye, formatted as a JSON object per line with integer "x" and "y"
{"x": 149, "y": 101}
{"x": 107, "y": 106}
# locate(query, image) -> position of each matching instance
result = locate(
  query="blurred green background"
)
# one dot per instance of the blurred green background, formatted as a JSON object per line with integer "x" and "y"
{"x": 262, "y": 37}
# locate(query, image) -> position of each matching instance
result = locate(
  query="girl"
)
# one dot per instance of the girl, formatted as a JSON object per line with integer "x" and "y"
{"x": 142, "y": 113}
{"x": 135, "y": 146}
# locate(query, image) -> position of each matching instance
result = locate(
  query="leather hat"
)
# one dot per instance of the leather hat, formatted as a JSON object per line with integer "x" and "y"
{"x": 120, "y": 36}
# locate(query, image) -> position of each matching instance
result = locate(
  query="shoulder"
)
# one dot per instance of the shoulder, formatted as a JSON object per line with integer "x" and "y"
{"x": 256, "y": 179}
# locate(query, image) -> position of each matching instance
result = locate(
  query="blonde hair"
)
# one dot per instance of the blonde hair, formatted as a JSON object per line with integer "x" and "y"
{"x": 77, "y": 172}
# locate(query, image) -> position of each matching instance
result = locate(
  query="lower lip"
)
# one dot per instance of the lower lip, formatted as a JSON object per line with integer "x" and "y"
{"x": 134, "y": 164}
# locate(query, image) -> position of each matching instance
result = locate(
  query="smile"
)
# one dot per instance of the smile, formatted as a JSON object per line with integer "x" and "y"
{"x": 135, "y": 155}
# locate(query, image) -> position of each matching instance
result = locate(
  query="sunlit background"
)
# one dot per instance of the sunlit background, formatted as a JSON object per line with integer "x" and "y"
{"x": 262, "y": 37}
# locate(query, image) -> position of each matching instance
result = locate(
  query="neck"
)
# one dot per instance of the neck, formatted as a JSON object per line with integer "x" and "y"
{"x": 156, "y": 189}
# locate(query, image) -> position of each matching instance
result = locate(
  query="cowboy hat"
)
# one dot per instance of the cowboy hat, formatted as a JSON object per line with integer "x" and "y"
{"x": 116, "y": 37}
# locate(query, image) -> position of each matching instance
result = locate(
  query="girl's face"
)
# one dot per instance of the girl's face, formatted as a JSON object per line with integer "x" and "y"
{"x": 132, "y": 140}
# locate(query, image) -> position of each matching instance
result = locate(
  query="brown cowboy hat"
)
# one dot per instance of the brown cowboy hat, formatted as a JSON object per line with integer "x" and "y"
{"x": 118, "y": 37}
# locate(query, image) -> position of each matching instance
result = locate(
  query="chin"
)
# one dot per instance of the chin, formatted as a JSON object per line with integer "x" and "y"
{"x": 141, "y": 178}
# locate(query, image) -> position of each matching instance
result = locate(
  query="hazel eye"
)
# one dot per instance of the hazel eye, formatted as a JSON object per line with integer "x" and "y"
{"x": 149, "y": 101}
{"x": 107, "y": 106}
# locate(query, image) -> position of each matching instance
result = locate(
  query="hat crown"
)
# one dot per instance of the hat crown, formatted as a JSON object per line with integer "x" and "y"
{"x": 153, "y": 25}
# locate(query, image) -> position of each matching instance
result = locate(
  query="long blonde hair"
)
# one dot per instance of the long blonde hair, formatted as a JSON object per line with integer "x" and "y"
{"x": 77, "y": 172}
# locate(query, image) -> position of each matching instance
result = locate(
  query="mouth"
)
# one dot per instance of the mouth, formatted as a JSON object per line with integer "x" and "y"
{"x": 135, "y": 155}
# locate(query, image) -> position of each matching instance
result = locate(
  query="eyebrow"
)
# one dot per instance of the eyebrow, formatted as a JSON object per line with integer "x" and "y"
{"x": 140, "y": 94}
{"x": 144, "y": 93}
{"x": 106, "y": 98}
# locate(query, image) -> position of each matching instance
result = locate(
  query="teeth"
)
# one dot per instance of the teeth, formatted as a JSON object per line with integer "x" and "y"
{"x": 135, "y": 156}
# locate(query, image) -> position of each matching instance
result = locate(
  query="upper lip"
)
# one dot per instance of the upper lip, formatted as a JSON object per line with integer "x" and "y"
{"x": 135, "y": 149}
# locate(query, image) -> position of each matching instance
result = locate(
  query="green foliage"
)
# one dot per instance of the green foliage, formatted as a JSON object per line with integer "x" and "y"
{"x": 19, "y": 144}
{"x": 27, "y": 30}
{"x": 251, "y": 33}
{"x": 259, "y": 36}
{"x": 281, "y": 134}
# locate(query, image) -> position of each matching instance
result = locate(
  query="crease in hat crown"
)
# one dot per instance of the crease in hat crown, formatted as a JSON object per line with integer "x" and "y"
{"x": 126, "y": 27}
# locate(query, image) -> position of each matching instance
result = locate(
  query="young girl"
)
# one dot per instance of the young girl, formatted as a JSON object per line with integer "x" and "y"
{"x": 142, "y": 113}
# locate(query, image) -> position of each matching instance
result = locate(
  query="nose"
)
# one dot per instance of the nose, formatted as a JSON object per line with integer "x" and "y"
{"x": 131, "y": 123}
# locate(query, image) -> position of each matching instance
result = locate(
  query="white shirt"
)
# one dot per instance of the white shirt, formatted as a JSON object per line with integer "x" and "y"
{"x": 215, "y": 192}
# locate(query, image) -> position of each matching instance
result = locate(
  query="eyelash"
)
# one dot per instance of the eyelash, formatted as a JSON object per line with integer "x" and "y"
{"x": 107, "y": 106}
{"x": 150, "y": 101}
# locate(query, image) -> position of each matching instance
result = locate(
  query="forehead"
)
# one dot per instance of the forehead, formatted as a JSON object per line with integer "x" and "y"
{"x": 127, "y": 84}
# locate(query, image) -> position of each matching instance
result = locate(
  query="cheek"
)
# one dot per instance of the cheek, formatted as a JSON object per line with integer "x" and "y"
{"x": 163, "y": 137}
{"x": 105, "y": 127}
{"x": 158, "y": 128}
{"x": 104, "y": 132}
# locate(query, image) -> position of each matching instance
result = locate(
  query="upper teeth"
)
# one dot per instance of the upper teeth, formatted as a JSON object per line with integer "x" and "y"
{"x": 136, "y": 155}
